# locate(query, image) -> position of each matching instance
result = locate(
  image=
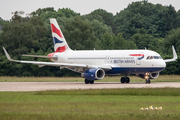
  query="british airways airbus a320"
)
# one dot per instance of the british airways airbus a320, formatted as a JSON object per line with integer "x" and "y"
{"x": 95, "y": 64}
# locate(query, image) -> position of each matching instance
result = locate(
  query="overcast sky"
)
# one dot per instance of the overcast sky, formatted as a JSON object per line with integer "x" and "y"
{"x": 79, "y": 6}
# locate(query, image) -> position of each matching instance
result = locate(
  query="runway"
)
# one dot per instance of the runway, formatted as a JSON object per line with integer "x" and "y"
{"x": 41, "y": 86}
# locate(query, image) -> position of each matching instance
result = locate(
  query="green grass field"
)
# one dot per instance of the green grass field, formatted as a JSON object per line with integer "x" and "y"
{"x": 105, "y": 104}
{"x": 161, "y": 78}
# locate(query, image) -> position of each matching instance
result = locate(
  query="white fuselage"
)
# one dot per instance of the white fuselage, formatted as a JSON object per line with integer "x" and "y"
{"x": 121, "y": 61}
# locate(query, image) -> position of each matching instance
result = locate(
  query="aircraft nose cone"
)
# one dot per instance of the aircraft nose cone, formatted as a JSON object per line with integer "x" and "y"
{"x": 162, "y": 64}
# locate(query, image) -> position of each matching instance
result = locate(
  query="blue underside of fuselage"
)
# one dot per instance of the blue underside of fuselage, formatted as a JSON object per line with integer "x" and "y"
{"x": 134, "y": 70}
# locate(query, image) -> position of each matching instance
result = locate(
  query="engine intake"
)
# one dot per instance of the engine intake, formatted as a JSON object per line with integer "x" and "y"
{"x": 154, "y": 75}
{"x": 94, "y": 74}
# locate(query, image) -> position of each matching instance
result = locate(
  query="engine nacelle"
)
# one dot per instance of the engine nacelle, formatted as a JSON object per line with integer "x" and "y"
{"x": 154, "y": 75}
{"x": 151, "y": 75}
{"x": 94, "y": 74}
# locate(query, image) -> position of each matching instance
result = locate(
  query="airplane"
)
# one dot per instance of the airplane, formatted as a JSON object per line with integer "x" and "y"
{"x": 95, "y": 64}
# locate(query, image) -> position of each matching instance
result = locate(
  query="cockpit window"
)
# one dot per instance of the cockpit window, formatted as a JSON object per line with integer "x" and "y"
{"x": 156, "y": 57}
{"x": 153, "y": 57}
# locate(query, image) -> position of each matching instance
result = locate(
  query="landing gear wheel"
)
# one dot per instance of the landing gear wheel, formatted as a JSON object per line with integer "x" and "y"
{"x": 123, "y": 80}
{"x": 91, "y": 81}
{"x": 127, "y": 80}
{"x": 148, "y": 81}
{"x": 87, "y": 81}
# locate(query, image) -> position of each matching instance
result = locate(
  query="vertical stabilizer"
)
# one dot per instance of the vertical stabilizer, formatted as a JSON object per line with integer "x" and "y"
{"x": 60, "y": 44}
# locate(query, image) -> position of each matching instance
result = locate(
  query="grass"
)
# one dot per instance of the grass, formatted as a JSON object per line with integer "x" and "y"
{"x": 161, "y": 78}
{"x": 105, "y": 104}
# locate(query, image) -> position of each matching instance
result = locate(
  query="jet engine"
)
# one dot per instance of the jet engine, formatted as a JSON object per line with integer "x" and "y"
{"x": 94, "y": 74}
{"x": 151, "y": 75}
{"x": 154, "y": 75}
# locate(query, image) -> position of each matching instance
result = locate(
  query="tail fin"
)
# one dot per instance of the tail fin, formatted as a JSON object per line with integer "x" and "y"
{"x": 60, "y": 44}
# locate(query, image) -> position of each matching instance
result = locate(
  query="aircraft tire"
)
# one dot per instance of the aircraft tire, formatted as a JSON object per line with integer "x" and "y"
{"x": 127, "y": 80}
{"x": 148, "y": 81}
{"x": 91, "y": 81}
{"x": 123, "y": 79}
{"x": 87, "y": 81}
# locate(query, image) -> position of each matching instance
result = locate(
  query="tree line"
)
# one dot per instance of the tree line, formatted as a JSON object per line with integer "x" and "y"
{"x": 141, "y": 25}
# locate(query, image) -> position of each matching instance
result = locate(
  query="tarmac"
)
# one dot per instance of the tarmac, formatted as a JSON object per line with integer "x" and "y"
{"x": 42, "y": 86}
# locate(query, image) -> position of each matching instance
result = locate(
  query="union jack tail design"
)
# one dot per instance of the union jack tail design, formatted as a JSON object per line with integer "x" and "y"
{"x": 60, "y": 44}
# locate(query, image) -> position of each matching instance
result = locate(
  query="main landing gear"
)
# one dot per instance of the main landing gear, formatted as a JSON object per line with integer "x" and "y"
{"x": 125, "y": 80}
{"x": 89, "y": 81}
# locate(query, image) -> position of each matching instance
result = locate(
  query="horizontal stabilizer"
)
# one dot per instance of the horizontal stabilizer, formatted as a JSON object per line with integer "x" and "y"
{"x": 38, "y": 56}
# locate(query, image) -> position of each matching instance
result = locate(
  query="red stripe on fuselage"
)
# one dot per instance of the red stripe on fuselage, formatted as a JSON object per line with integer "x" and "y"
{"x": 136, "y": 55}
{"x": 55, "y": 30}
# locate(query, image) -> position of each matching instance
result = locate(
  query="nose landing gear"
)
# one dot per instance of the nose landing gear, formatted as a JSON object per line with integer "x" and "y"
{"x": 148, "y": 81}
{"x": 147, "y": 78}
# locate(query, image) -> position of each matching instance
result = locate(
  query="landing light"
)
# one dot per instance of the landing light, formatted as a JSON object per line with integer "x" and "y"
{"x": 147, "y": 74}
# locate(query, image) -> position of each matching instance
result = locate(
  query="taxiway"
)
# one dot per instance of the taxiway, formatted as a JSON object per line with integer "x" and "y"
{"x": 41, "y": 86}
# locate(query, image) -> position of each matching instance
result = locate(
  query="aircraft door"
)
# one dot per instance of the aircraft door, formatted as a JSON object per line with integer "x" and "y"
{"x": 138, "y": 61}
{"x": 140, "y": 56}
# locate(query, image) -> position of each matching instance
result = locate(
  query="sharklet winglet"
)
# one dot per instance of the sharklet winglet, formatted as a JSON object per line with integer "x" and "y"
{"x": 8, "y": 57}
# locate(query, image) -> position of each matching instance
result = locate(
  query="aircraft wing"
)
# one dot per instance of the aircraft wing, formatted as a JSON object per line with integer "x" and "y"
{"x": 39, "y": 56}
{"x": 41, "y": 64}
{"x": 174, "y": 56}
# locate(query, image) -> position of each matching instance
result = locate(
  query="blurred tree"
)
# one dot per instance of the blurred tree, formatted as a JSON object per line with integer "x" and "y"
{"x": 102, "y": 16}
{"x": 156, "y": 19}
{"x": 107, "y": 41}
{"x": 20, "y": 35}
{"x": 79, "y": 34}
{"x": 144, "y": 40}
{"x": 173, "y": 38}
{"x": 100, "y": 28}
{"x": 49, "y": 12}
